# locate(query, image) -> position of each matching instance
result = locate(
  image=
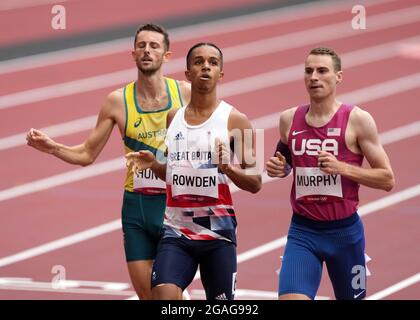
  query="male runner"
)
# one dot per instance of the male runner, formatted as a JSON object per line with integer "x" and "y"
{"x": 139, "y": 109}
{"x": 200, "y": 223}
{"x": 324, "y": 143}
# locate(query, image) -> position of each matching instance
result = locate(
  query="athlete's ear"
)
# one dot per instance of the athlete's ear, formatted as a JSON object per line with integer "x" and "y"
{"x": 187, "y": 75}
{"x": 221, "y": 75}
{"x": 167, "y": 56}
{"x": 133, "y": 54}
{"x": 339, "y": 75}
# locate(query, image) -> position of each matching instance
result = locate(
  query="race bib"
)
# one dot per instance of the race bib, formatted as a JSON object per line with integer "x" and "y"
{"x": 198, "y": 182}
{"x": 148, "y": 181}
{"x": 313, "y": 185}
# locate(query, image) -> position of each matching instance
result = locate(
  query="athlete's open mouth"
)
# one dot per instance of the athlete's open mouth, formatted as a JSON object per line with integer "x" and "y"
{"x": 205, "y": 76}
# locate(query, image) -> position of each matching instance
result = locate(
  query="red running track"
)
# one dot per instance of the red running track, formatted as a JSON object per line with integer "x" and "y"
{"x": 39, "y": 218}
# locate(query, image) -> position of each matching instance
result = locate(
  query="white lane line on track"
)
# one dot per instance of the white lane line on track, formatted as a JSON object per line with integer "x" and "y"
{"x": 54, "y": 131}
{"x": 247, "y": 294}
{"x": 64, "y": 178}
{"x": 247, "y": 85}
{"x": 67, "y": 286}
{"x": 273, "y": 295}
{"x": 69, "y": 290}
{"x": 63, "y": 242}
{"x": 395, "y": 288}
{"x": 252, "y": 49}
{"x": 202, "y": 30}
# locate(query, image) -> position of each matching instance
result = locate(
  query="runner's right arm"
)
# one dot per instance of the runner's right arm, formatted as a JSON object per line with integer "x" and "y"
{"x": 87, "y": 152}
{"x": 280, "y": 164}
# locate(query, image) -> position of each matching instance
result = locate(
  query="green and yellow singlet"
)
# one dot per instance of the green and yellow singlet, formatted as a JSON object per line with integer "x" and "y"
{"x": 146, "y": 130}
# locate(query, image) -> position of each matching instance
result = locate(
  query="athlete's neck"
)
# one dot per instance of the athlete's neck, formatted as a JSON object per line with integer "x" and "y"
{"x": 203, "y": 104}
{"x": 150, "y": 87}
{"x": 323, "y": 108}
{"x": 320, "y": 113}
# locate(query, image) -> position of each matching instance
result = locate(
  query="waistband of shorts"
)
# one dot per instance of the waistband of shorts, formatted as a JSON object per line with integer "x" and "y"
{"x": 299, "y": 219}
{"x": 133, "y": 194}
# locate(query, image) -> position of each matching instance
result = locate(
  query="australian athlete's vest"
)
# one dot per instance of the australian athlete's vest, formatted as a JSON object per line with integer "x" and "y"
{"x": 146, "y": 130}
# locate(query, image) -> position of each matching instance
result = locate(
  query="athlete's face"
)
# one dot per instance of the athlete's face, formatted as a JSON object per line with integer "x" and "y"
{"x": 320, "y": 78}
{"x": 149, "y": 52}
{"x": 205, "y": 68}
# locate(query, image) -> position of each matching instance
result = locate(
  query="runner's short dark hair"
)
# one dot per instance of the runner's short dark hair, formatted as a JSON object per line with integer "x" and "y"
{"x": 155, "y": 28}
{"x": 201, "y": 44}
{"x": 330, "y": 52}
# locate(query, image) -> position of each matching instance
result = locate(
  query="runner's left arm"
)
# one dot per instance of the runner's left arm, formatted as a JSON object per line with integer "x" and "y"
{"x": 246, "y": 176}
{"x": 380, "y": 174}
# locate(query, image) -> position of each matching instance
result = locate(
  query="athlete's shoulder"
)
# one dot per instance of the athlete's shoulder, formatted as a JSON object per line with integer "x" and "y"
{"x": 238, "y": 119}
{"x": 114, "y": 102}
{"x": 360, "y": 116}
{"x": 170, "y": 116}
{"x": 184, "y": 85}
{"x": 185, "y": 89}
{"x": 287, "y": 115}
{"x": 362, "y": 122}
{"x": 116, "y": 95}
{"x": 235, "y": 112}
{"x": 285, "y": 123}
{"x": 357, "y": 111}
